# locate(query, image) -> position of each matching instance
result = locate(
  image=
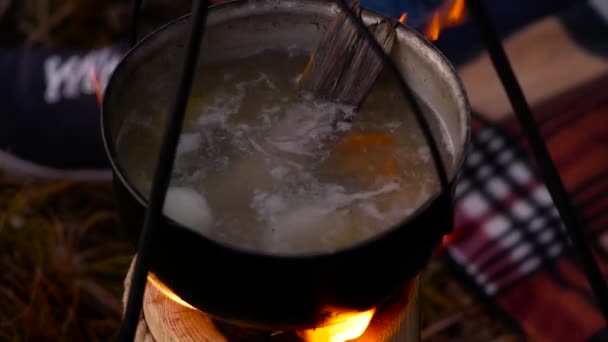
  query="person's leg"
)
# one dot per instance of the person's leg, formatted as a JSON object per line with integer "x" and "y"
{"x": 49, "y": 115}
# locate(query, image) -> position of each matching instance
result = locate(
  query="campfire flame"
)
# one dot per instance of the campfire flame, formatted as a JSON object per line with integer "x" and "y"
{"x": 403, "y": 18}
{"x": 456, "y": 13}
{"x": 97, "y": 86}
{"x": 451, "y": 14}
{"x": 342, "y": 327}
{"x": 434, "y": 27}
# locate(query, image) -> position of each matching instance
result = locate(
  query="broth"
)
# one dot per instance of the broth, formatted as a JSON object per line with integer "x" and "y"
{"x": 262, "y": 167}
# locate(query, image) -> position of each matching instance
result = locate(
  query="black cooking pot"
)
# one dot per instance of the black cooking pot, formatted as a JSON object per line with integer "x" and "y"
{"x": 270, "y": 291}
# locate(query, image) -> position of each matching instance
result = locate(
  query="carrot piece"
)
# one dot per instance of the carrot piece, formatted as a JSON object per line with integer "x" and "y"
{"x": 362, "y": 141}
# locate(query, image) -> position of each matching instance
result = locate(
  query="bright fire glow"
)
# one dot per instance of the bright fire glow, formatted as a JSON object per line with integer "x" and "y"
{"x": 434, "y": 27}
{"x": 456, "y": 13}
{"x": 167, "y": 292}
{"x": 452, "y": 13}
{"x": 343, "y": 327}
{"x": 96, "y": 85}
{"x": 403, "y": 18}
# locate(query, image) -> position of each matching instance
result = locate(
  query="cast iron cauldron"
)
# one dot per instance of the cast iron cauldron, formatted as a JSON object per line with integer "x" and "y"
{"x": 284, "y": 292}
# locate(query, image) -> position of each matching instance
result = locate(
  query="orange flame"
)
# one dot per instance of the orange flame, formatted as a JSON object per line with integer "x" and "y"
{"x": 342, "y": 327}
{"x": 456, "y": 13}
{"x": 434, "y": 27}
{"x": 97, "y": 86}
{"x": 451, "y": 14}
{"x": 403, "y": 18}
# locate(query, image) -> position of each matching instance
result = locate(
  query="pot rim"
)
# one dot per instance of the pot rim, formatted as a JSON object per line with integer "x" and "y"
{"x": 463, "y": 111}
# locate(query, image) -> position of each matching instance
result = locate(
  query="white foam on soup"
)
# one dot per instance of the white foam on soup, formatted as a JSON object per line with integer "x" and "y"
{"x": 265, "y": 168}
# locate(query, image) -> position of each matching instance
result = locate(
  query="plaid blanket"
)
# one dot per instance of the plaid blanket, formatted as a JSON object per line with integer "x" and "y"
{"x": 509, "y": 241}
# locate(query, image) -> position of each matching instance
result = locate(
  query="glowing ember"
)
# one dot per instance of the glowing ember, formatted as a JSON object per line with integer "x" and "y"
{"x": 456, "y": 13}
{"x": 403, "y": 18}
{"x": 447, "y": 241}
{"x": 96, "y": 85}
{"x": 343, "y": 327}
{"x": 167, "y": 292}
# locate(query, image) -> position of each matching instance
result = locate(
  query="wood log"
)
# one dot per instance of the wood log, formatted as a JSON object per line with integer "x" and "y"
{"x": 165, "y": 320}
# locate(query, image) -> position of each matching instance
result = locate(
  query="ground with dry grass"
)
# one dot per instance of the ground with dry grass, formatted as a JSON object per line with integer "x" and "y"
{"x": 64, "y": 254}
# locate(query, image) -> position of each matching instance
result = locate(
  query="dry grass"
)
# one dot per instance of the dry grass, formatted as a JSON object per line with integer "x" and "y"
{"x": 64, "y": 254}
{"x": 81, "y": 24}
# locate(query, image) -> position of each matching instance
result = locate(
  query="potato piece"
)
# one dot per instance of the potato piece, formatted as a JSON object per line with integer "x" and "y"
{"x": 188, "y": 208}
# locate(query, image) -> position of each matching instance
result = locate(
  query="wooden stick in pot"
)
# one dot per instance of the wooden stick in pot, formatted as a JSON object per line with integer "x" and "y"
{"x": 344, "y": 67}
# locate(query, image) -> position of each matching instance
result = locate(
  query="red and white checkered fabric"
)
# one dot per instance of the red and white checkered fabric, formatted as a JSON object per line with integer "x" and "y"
{"x": 506, "y": 223}
{"x": 509, "y": 242}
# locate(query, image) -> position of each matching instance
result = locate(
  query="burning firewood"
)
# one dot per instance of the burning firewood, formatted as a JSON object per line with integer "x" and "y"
{"x": 344, "y": 66}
